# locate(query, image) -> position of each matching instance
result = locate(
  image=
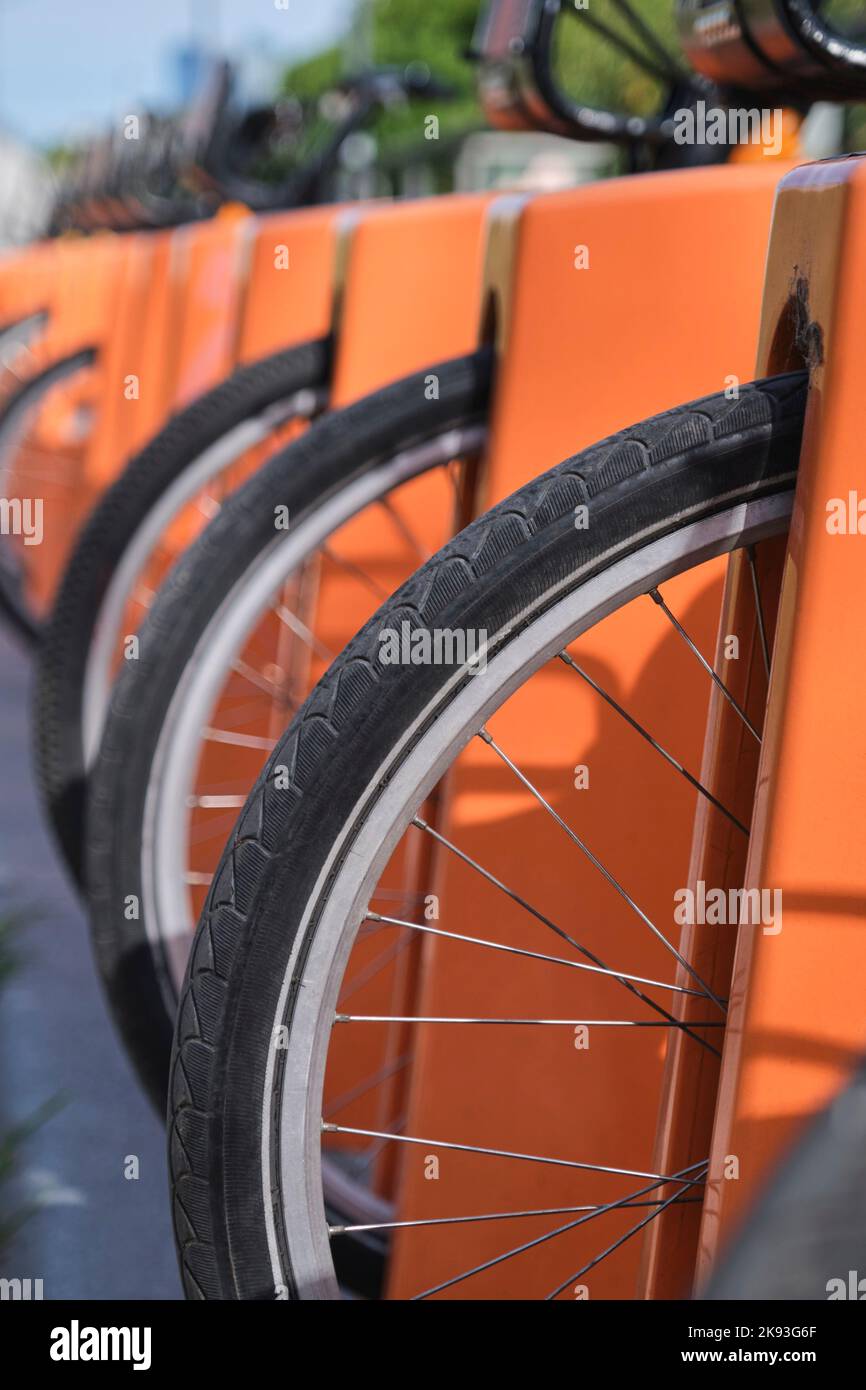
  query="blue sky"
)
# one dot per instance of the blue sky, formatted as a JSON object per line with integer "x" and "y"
{"x": 67, "y": 65}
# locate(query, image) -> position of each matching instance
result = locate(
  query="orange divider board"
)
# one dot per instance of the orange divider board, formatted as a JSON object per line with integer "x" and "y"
{"x": 666, "y": 309}
{"x": 411, "y": 292}
{"x": 282, "y": 295}
{"x": 174, "y": 324}
{"x": 797, "y": 1026}
{"x": 79, "y": 293}
{"x": 408, "y": 281}
{"x": 93, "y": 422}
{"x": 84, "y": 293}
{"x": 90, "y": 307}
{"x": 26, "y": 276}
{"x": 290, "y": 291}
{"x": 213, "y": 263}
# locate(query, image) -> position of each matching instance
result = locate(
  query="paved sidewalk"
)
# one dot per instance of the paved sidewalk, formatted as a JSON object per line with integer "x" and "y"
{"x": 96, "y": 1234}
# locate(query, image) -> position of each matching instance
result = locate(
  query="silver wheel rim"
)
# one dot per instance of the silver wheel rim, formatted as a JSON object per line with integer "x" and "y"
{"x": 18, "y": 418}
{"x": 165, "y": 901}
{"x": 326, "y": 949}
{"x": 222, "y": 455}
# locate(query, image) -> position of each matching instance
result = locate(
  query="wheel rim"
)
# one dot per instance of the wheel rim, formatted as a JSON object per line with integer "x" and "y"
{"x": 166, "y": 906}
{"x": 109, "y": 627}
{"x": 165, "y": 899}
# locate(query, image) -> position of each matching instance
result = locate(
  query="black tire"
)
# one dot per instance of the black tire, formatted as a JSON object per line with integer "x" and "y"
{"x": 334, "y": 452}
{"x": 640, "y": 485}
{"x": 68, "y": 633}
{"x": 19, "y": 403}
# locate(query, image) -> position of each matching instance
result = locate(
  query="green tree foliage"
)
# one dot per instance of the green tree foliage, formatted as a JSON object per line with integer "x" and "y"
{"x": 591, "y": 68}
{"x": 439, "y": 32}
{"x": 402, "y": 32}
{"x": 307, "y": 80}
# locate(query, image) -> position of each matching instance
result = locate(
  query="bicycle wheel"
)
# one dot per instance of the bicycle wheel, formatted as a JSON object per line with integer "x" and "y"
{"x": 265, "y": 1009}
{"x": 124, "y": 551}
{"x": 18, "y": 409}
{"x": 244, "y": 625}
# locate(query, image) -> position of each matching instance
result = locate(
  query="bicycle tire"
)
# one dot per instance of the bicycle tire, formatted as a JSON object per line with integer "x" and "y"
{"x": 351, "y": 445}
{"x": 654, "y": 485}
{"x": 107, "y": 537}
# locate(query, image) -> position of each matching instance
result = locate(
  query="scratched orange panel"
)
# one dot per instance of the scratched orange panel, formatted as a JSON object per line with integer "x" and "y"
{"x": 797, "y": 1025}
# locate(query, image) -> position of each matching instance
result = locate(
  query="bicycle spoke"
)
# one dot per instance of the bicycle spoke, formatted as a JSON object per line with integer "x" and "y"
{"x": 209, "y": 506}
{"x": 663, "y": 1206}
{"x": 193, "y": 879}
{"x": 349, "y": 567}
{"x": 266, "y": 745}
{"x": 675, "y": 71}
{"x": 368, "y": 1084}
{"x": 559, "y": 1231}
{"x": 759, "y": 611}
{"x": 404, "y": 530}
{"x": 276, "y": 692}
{"x": 516, "y": 1022}
{"x": 645, "y": 734}
{"x": 540, "y": 916}
{"x": 619, "y": 41}
{"x": 531, "y": 955}
{"x": 35, "y": 475}
{"x": 504, "y": 1153}
{"x": 300, "y": 629}
{"x": 487, "y": 738}
{"x": 216, "y": 803}
{"x": 489, "y": 1216}
{"x": 659, "y": 601}
{"x": 374, "y": 1150}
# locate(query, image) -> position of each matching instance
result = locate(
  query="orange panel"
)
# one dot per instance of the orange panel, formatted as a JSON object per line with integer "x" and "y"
{"x": 412, "y": 291}
{"x": 407, "y": 279}
{"x": 797, "y": 1023}
{"x": 666, "y": 309}
{"x": 90, "y": 423}
{"x": 85, "y": 288}
{"x": 291, "y": 281}
{"x": 163, "y": 311}
{"x": 136, "y": 362}
{"x": 25, "y": 281}
{"x": 213, "y": 259}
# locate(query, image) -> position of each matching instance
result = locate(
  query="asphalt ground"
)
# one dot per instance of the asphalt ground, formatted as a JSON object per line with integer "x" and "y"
{"x": 93, "y": 1232}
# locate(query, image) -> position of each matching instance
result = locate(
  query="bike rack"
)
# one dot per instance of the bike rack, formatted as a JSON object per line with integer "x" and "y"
{"x": 783, "y": 1058}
